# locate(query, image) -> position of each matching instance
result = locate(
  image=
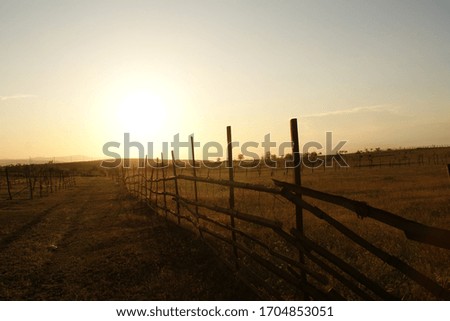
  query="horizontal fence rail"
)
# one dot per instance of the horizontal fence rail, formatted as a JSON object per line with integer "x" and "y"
{"x": 413, "y": 230}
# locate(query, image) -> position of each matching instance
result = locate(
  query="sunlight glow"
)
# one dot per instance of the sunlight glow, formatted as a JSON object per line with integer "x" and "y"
{"x": 141, "y": 112}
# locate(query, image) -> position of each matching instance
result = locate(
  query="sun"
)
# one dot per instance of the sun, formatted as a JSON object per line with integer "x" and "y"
{"x": 141, "y": 112}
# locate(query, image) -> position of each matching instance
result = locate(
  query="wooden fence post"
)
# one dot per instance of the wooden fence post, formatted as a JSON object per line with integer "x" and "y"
{"x": 50, "y": 179}
{"x": 194, "y": 172}
{"x": 298, "y": 181}
{"x": 151, "y": 184}
{"x": 156, "y": 185}
{"x": 137, "y": 179}
{"x": 142, "y": 193}
{"x": 231, "y": 196}
{"x": 47, "y": 181}
{"x": 54, "y": 181}
{"x": 40, "y": 182}
{"x": 145, "y": 180}
{"x": 195, "y": 186}
{"x": 164, "y": 184}
{"x": 28, "y": 178}
{"x": 8, "y": 183}
{"x": 140, "y": 179}
{"x": 133, "y": 176}
{"x": 174, "y": 166}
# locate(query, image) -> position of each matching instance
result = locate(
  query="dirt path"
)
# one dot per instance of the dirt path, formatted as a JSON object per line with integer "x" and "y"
{"x": 92, "y": 243}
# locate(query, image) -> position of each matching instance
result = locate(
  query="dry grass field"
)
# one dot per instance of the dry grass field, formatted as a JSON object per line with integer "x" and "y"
{"x": 419, "y": 192}
{"x": 93, "y": 242}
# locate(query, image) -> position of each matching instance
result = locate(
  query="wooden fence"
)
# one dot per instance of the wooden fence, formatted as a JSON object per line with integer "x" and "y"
{"x": 30, "y": 181}
{"x": 262, "y": 234}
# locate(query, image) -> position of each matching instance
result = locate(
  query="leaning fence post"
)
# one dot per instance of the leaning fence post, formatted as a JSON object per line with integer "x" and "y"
{"x": 8, "y": 183}
{"x": 297, "y": 181}
{"x": 231, "y": 199}
{"x": 195, "y": 186}
{"x": 151, "y": 183}
{"x": 174, "y": 166}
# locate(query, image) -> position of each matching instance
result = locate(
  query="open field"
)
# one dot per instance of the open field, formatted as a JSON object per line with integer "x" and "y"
{"x": 418, "y": 192}
{"x": 92, "y": 242}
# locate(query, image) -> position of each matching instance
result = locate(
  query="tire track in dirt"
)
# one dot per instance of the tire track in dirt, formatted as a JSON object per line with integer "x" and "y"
{"x": 26, "y": 227}
{"x": 50, "y": 276}
{"x": 57, "y": 278}
{"x": 31, "y": 246}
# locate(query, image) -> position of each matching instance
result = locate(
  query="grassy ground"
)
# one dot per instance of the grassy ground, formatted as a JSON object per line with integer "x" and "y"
{"x": 417, "y": 192}
{"x": 92, "y": 243}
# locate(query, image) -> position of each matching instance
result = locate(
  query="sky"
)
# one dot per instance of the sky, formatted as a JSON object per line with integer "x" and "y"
{"x": 75, "y": 75}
